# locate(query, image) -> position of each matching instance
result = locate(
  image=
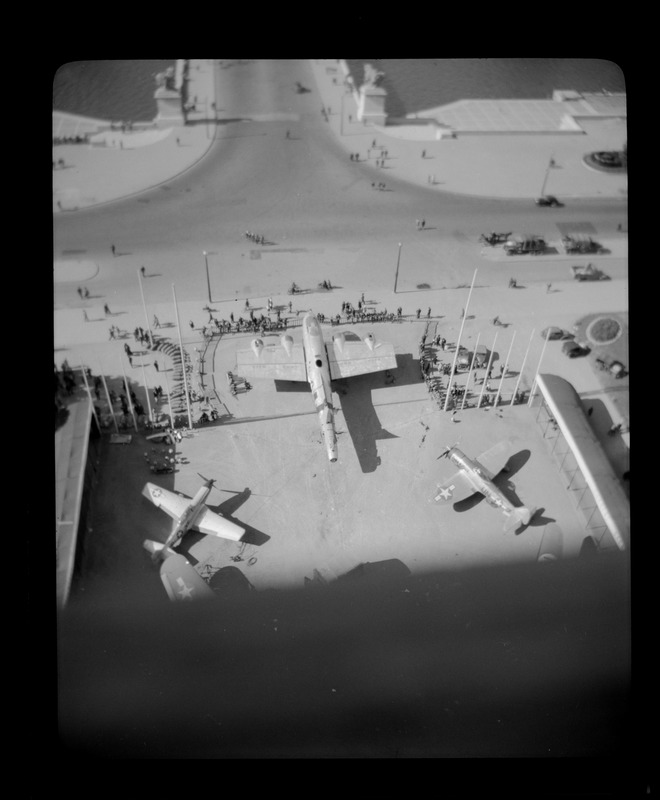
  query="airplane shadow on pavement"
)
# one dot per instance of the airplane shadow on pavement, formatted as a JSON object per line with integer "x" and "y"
{"x": 360, "y": 416}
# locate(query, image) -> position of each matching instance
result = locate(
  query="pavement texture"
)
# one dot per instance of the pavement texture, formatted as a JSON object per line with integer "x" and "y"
{"x": 265, "y": 452}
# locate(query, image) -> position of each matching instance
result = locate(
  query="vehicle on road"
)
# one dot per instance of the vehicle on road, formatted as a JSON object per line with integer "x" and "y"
{"x": 521, "y": 244}
{"x": 612, "y": 365}
{"x": 588, "y": 273}
{"x": 574, "y": 350}
{"x": 580, "y": 244}
{"x": 493, "y": 238}
{"x": 481, "y": 354}
{"x": 548, "y": 200}
{"x": 552, "y": 332}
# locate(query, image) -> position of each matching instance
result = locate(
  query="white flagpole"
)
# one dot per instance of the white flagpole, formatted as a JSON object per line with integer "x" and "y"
{"x": 467, "y": 382}
{"x": 107, "y": 397}
{"x": 503, "y": 375}
{"x": 490, "y": 360}
{"x": 458, "y": 343}
{"x": 128, "y": 394}
{"x": 89, "y": 394}
{"x": 183, "y": 359}
{"x": 146, "y": 391}
{"x": 169, "y": 398}
{"x": 536, "y": 374}
{"x": 515, "y": 391}
{"x": 144, "y": 306}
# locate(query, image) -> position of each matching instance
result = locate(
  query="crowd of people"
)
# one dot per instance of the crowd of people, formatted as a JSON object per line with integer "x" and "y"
{"x": 77, "y": 139}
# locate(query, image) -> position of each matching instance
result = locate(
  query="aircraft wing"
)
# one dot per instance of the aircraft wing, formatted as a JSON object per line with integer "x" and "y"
{"x": 273, "y": 361}
{"x": 213, "y": 524}
{"x": 349, "y": 358}
{"x": 493, "y": 460}
{"x": 457, "y": 488}
{"x": 182, "y": 581}
{"x": 171, "y": 503}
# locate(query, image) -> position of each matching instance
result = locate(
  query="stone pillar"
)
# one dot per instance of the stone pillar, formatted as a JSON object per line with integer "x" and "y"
{"x": 371, "y": 105}
{"x": 170, "y": 109}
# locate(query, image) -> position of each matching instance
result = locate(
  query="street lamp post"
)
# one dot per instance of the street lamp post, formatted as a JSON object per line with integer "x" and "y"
{"x": 208, "y": 280}
{"x": 547, "y": 172}
{"x": 396, "y": 274}
{"x": 144, "y": 306}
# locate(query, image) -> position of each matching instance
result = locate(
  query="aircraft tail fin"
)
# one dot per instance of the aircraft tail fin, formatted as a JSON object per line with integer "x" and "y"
{"x": 157, "y": 549}
{"x": 521, "y": 515}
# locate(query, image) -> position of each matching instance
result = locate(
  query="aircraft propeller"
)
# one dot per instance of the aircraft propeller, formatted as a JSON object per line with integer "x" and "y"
{"x": 446, "y": 451}
{"x": 211, "y": 481}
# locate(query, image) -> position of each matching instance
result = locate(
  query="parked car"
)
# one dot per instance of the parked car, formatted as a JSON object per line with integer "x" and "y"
{"x": 548, "y": 200}
{"x": 574, "y": 350}
{"x": 520, "y": 244}
{"x": 580, "y": 244}
{"x": 556, "y": 333}
{"x": 588, "y": 273}
{"x": 481, "y": 355}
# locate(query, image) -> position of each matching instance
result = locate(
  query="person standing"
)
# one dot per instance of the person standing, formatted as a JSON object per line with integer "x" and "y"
{"x": 106, "y": 309}
{"x": 156, "y": 365}
{"x": 114, "y": 249}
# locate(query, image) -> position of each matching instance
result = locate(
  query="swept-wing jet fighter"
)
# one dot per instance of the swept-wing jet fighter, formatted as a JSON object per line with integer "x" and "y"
{"x": 476, "y": 475}
{"x": 318, "y": 364}
{"x": 180, "y": 579}
{"x": 191, "y": 514}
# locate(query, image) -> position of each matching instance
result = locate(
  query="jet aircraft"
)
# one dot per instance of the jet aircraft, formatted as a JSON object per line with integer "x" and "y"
{"x": 180, "y": 579}
{"x": 191, "y": 514}
{"x": 318, "y": 364}
{"x": 476, "y": 475}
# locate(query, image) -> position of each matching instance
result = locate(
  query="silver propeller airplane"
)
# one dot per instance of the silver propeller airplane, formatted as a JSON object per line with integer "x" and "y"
{"x": 318, "y": 364}
{"x": 191, "y": 514}
{"x": 476, "y": 475}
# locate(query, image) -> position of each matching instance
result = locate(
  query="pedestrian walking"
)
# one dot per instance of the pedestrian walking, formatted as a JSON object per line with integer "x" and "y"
{"x": 423, "y": 153}
{"x": 362, "y": 298}
{"x": 85, "y": 315}
{"x": 423, "y": 223}
{"x": 192, "y": 325}
{"x": 462, "y": 313}
{"x": 419, "y": 311}
{"x": 156, "y": 365}
{"x": 106, "y": 310}
{"x": 156, "y": 322}
{"x": 590, "y": 411}
{"x": 428, "y": 314}
{"x": 548, "y": 287}
{"x": 80, "y": 292}
{"x": 142, "y": 270}
{"x": 86, "y": 292}
{"x": 114, "y": 249}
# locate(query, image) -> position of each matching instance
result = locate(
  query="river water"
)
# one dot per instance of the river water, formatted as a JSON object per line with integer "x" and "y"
{"x": 123, "y": 90}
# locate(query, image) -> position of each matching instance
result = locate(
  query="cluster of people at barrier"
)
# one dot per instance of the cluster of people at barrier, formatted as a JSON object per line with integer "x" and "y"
{"x": 77, "y": 139}
{"x": 257, "y": 238}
